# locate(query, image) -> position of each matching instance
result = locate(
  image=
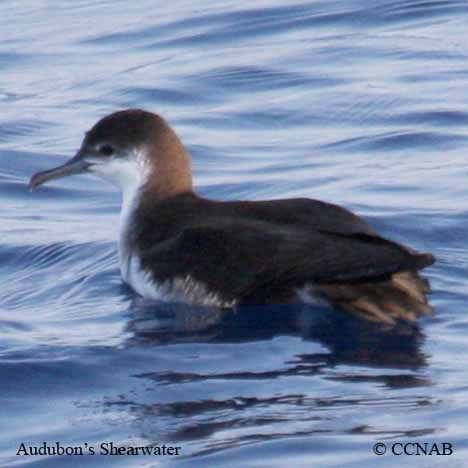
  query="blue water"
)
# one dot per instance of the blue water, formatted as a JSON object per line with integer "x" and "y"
{"x": 361, "y": 103}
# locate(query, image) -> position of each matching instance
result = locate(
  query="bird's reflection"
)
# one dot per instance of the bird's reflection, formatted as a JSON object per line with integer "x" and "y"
{"x": 349, "y": 340}
{"x": 216, "y": 406}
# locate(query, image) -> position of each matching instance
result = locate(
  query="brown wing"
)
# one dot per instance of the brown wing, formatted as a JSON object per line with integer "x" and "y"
{"x": 235, "y": 260}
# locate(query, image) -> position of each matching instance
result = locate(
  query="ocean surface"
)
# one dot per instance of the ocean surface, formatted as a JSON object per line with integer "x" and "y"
{"x": 357, "y": 102}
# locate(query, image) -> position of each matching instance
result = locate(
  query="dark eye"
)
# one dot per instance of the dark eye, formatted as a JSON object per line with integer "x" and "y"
{"x": 106, "y": 150}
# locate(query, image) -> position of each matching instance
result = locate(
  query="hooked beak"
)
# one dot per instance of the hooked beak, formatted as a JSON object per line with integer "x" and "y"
{"x": 76, "y": 165}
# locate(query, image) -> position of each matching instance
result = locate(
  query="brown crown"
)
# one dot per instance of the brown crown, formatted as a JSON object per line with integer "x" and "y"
{"x": 127, "y": 128}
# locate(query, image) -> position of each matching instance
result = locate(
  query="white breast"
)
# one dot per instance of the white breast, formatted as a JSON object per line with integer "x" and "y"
{"x": 130, "y": 265}
{"x": 129, "y": 174}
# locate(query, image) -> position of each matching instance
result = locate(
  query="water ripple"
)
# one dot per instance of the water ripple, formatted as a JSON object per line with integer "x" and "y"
{"x": 359, "y": 103}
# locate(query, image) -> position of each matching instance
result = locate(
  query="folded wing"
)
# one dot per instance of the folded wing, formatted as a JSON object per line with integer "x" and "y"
{"x": 251, "y": 259}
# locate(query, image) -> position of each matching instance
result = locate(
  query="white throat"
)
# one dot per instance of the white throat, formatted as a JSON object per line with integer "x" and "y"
{"x": 126, "y": 171}
{"x": 129, "y": 175}
{"x": 130, "y": 199}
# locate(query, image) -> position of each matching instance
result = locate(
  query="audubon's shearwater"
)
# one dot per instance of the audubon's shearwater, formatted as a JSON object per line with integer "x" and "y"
{"x": 176, "y": 245}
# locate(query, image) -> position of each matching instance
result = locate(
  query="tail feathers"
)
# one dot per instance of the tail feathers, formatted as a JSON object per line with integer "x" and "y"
{"x": 401, "y": 298}
{"x": 422, "y": 260}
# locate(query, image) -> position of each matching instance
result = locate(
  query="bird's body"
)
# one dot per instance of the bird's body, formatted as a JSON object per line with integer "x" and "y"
{"x": 176, "y": 245}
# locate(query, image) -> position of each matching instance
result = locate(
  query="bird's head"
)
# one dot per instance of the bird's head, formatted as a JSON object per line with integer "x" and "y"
{"x": 129, "y": 148}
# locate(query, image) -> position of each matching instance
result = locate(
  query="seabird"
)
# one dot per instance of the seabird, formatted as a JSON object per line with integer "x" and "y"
{"x": 178, "y": 246}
